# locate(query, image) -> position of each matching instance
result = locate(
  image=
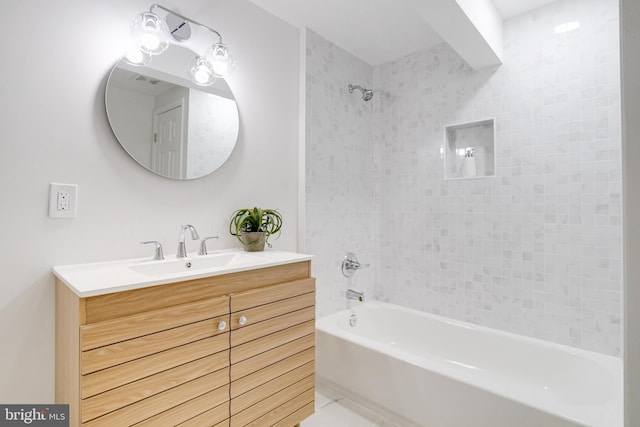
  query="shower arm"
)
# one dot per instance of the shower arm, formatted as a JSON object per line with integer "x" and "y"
{"x": 367, "y": 94}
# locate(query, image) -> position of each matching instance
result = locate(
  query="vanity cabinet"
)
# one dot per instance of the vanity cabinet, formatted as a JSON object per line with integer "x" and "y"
{"x": 272, "y": 354}
{"x": 230, "y": 350}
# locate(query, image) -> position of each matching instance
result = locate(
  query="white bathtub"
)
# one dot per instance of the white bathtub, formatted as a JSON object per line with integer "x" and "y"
{"x": 426, "y": 370}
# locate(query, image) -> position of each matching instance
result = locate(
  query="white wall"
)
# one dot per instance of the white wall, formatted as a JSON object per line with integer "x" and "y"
{"x": 55, "y": 130}
{"x": 134, "y": 123}
{"x": 212, "y": 118}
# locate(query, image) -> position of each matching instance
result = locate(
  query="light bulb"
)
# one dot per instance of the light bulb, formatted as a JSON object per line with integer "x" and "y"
{"x": 220, "y": 68}
{"x": 149, "y": 42}
{"x": 201, "y": 72}
{"x": 201, "y": 75}
{"x": 137, "y": 57}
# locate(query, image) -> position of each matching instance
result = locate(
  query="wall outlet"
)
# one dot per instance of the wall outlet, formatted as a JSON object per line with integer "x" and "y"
{"x": 63, "y": 200}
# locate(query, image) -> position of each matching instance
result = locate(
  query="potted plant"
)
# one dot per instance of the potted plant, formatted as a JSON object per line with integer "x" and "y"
{"x": 253, "y": 227}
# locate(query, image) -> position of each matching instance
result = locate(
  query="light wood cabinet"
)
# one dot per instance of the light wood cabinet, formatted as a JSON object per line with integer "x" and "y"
{"x": 272, "y": 353}
{"x": 230, "y": 350}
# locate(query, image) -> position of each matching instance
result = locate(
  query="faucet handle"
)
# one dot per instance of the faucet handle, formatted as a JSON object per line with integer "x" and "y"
{"x": 350, "y": 264}
{"x": 159, "y": 255}
{"x": 203, "y": 245}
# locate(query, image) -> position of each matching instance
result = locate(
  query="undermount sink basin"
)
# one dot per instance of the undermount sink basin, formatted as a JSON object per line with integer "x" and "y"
{"x": 183, "y": 265}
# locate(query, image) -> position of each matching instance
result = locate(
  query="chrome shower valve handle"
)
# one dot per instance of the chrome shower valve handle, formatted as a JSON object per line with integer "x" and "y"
{"x": 350, "y": 264}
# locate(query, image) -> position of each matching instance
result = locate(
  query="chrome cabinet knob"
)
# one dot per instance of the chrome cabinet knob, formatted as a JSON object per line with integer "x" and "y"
{"x": 222, "y": 325}
{"x": 242, "y": 320}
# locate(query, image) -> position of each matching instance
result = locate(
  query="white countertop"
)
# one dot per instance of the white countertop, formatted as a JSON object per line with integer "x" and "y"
{"x": 99, "y": 278}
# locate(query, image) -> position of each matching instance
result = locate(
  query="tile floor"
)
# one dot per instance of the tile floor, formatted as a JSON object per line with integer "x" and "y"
{"x": 333, "y": 410}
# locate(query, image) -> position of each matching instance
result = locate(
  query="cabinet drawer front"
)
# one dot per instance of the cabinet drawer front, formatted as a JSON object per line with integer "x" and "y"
{"x": 273, "y": 386}
{"x": 212, "y": 408}
{"x": 125, "y": 373}
{"x": 269, "y": 294}
{"x": 126, "y": 303}
{"x": 121, "y": 352}
{"x": 270, "y": 364}
{"x": 120, "y": 397}
{"x": 158, "y": 403}
{"x": 112, "y": 331}
{"x": 277, "y": 406}
{"x": 268, "y": 327}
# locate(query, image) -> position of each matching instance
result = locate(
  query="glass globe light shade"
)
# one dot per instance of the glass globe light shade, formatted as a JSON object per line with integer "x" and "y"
{"x": 221, "y": 60}
{"x": 201, "y": 72}
{"x": 150, "y": 33}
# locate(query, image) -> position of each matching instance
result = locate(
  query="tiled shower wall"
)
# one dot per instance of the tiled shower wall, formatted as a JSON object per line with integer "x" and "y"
{"x": 340, "y": 212}
{"x": 535, "y": 250}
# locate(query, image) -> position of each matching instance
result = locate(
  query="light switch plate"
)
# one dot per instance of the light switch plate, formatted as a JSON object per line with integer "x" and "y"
{"x": 63, "y": 200}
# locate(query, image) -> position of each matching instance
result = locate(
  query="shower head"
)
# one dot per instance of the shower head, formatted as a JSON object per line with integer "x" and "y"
{"x": 367, "y": 94}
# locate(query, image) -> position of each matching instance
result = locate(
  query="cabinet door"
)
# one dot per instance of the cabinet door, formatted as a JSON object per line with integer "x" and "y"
{"x": 161, "y": 367}
{"x": 273, "y": 354}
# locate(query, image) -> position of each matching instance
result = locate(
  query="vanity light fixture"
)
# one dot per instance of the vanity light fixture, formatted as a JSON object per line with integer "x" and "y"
{"x": 153, "y": 34}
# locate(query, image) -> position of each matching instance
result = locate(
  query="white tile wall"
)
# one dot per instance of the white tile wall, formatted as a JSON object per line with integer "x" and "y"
{"x": 339, "y": 169}
{"x": 536, "y": 250}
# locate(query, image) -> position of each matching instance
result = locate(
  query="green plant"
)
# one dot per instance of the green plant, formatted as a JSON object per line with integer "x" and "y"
{"x": 268, "y": 221}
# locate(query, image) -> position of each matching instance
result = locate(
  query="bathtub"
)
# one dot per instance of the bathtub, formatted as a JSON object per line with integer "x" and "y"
{"x": 420, "y": 369}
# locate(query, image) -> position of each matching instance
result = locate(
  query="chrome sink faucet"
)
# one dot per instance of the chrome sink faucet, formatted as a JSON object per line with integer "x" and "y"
{"x": 182, "y": 250}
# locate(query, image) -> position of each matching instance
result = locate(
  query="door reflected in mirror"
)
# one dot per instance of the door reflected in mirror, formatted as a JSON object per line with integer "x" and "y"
{"x": 168, "y": 124}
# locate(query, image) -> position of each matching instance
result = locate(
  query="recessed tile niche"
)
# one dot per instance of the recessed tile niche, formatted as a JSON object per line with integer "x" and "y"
{"x": 469, "y": 150}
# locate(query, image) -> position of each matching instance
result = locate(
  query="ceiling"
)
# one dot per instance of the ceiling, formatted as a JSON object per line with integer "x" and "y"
{"x": 376, "y": 31}
{"x": 510, "y": 8}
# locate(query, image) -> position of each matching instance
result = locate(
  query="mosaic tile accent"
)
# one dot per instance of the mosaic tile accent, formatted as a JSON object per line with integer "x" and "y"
{"x": 536, "y": 250}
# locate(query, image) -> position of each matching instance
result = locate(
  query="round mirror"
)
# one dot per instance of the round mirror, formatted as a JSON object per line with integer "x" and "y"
{"x": 167, "y": 123}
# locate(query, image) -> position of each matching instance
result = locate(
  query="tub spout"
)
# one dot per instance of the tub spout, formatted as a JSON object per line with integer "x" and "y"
{"x": 351, "y": 294}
